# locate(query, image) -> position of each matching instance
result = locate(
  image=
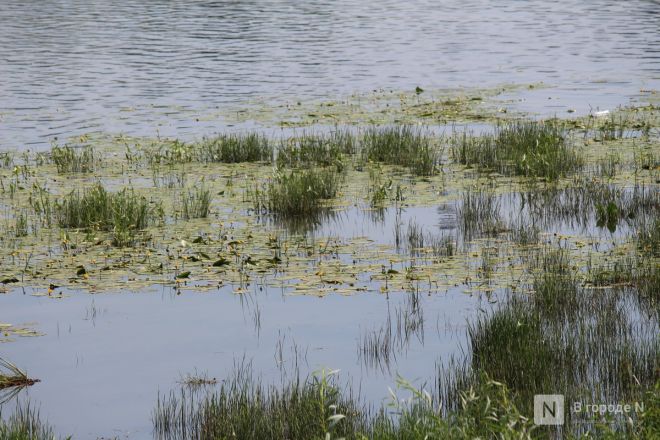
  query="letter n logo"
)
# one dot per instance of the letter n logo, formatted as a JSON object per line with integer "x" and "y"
{"x": 549, "y": 409}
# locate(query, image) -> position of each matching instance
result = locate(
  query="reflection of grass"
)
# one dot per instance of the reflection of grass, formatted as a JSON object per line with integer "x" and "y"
{"x": 299, "y": 192}
{"x": 533, "y": 149}
{"x": 479, "y": 213}
{"x": 401, "y": 145}
{"x": 70, "y": 160}
{"x": 96, "y": 209}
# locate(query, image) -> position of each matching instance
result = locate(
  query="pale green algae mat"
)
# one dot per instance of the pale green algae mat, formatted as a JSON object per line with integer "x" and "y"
{"x": 235, "y": 245}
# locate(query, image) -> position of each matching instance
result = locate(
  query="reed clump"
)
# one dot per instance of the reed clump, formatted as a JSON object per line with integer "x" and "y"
{"x": 73, "y": 160}
{"x": 196, "y": 203}
{"x": 297, "y": 193}
{"x": 26, "y": 424}
{"x": 122, "y": 213}
{"x": 523, "y": 148}
{"x": 235, "y": 148}
{"x": 401, "y": 145}
{"x": 317, "y": 150}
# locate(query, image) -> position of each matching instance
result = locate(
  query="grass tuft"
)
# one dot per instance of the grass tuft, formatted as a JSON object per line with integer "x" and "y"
{"x": 525, "y": 148}
{"x": 401, "y": 145}
{"x": 122, "y": 213}
{"x": 71, "y": 160}
{"x": 298, "y": 192}
{"x": 235, "y": 148}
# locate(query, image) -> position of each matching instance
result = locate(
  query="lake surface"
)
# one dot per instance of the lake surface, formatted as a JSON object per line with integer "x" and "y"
{"x": 165, "y": 68}
{"x": 147, "y": 68}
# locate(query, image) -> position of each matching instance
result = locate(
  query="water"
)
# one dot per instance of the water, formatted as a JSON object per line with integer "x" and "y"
{"x": 154, "y": 68}
{"x": 149, "y": 68}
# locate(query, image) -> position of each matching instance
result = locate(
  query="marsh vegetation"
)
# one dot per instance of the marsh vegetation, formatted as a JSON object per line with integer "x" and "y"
{"x": 551, "y": 224}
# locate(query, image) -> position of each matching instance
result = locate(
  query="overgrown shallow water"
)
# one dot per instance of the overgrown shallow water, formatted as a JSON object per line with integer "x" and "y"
{"x": 349, "y": 287}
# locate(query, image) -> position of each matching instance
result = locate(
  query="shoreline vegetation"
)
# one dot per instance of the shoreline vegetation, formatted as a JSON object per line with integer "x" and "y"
{"x": 555, "y": 220}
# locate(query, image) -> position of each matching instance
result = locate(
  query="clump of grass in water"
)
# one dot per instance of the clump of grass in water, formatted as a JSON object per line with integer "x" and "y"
{"x": 71, "y": 160}
{"x": 401, "y": 145}
{"x": 26, "y": 424}
{"x": 317, "y": 150}
{"x": 593, "y": 345}
{"x": 298, "y": 192}
{"x": 196, "y": 203}
{"x": 122, "y": 213}
{"x": 525, "y": 148}
{"x": 12, "y": 380}
{"x": 235, "y": 148}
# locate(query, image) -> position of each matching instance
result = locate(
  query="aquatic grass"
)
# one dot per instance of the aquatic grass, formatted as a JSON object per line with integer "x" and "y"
{"x": 592, "y": 344}
{"x": 317, "y": 408}
{"x": 26, "y": 424}
{"x": 298, "y": 192}
{"x": 401, "y": 145}
{"x": 12, "y": 380}
{"x": 169, "y": 152}
{"x": 243, "y": 408}
{"x": 325, "y": 150}
{"x": 234, "y": 148}
{"x": 12, "y": 376}
{"x": 196, "y": 203}
{"x": 648, "y": 238}
{"x": 68, "y": 159}
{"x": 21, "y": 224}
{"x": 122, "y": 213}
{"x": 522, "y": 148}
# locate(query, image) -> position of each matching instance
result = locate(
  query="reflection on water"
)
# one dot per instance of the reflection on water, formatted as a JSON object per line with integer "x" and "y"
{"x": 104, "y": 358}
{"x": 155, "y": 67}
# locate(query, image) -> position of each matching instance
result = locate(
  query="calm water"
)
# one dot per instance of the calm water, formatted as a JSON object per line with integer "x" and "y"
{"x": 71, "y": 67}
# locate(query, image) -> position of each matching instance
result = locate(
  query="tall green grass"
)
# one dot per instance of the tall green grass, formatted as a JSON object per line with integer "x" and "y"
{"x": 196, "y": 203}
{"x": 95, "y": 208}
{"x": 25, "y": 424}
{"x": 592, "y": 345}
{"x": 72, "y": 160}
{"x": 524, "y": 148}
{"x": 297, "y": 192}
{"x": 235, "y": 148}
{"x": 317, "y": 150}
{"x": 402, "y": 145}
{"x": 318, "y": 409}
